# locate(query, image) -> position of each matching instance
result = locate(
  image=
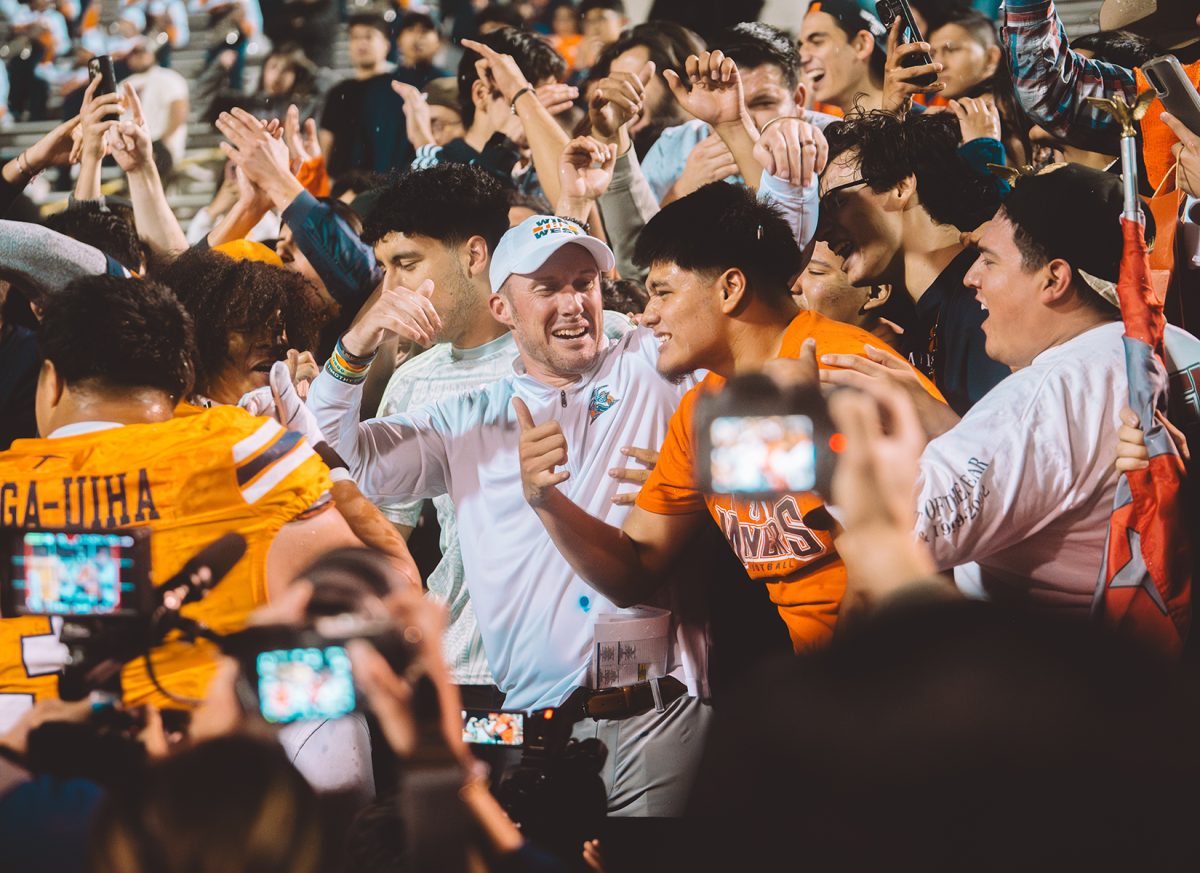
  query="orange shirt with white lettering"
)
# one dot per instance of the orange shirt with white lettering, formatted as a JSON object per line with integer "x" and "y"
{"x": 803, "y": 573}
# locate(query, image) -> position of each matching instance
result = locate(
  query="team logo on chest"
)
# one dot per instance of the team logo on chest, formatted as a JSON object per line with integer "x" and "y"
{"x": 602, "y": 401}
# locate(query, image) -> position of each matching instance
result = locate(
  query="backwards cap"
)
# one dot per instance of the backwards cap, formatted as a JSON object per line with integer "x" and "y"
{"x": 852, "y": 18}
{"x": 1074, "y": 213}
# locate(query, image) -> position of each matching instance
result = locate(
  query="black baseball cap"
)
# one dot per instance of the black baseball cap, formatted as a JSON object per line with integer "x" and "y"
{"x": 1074, "y": 213}
{"x": 852, "y": 18}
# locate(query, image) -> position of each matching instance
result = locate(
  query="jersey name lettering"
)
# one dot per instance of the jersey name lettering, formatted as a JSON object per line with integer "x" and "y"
{"x": 780, "y": 536}
{"x": 107, "y": 501}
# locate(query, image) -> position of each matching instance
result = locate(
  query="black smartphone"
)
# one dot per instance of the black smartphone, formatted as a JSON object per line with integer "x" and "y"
{"x": 102, "y": 66}
{"x": 1175, "y": 90}
{"x": 757, "y": 440}
{"x": 485, "y": 728}
{"x": 75, "y": 574}
{"x": 889, "y": 11}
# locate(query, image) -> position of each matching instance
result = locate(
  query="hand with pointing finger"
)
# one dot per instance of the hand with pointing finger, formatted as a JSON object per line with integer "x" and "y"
{"x": 648, "y": 458}
{"x": 129, "y": 142}
{"x": 409, "y": 315}
{"x": 498, "y": 69}
{"x": 543, "y": 447}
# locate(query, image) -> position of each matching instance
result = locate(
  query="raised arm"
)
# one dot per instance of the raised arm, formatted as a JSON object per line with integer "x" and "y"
{"x": 793, "y": 153}
{"x": 53, "y": 149}
{"x": 546, "y": 138}
{"x": 398, "y": 457}
{"x": 97, "y": 117}
{"x": 628, "y": 203}
{"x": 627, "y": 565}
{"x": 584, "y": 173}
{"x": 131, "y": 147}
{"x": 713, "y": 93}
{"x": 344, "y": 263}
{"x": 1053, "y": 82}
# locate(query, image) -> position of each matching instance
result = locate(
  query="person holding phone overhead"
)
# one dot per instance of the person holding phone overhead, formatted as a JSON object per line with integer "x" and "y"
{"x": 1054, "y": 83}
{"x": 844, "y": 52}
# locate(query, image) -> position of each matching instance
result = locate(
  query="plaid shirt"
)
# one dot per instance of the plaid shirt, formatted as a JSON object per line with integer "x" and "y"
{"x": 1053, "y": 82}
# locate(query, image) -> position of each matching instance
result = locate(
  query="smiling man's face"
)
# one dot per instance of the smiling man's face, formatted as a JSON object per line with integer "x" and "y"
{"x": 831, "y": 63}
{"x": 858, "y": 225}
{"x": 556, "y": 314}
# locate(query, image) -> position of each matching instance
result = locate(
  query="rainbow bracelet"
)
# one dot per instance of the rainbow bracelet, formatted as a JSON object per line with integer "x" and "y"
{"x": 348, "y": 368}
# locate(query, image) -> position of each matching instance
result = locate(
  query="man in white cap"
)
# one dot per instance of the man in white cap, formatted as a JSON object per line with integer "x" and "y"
{"x": 570, "y": 386}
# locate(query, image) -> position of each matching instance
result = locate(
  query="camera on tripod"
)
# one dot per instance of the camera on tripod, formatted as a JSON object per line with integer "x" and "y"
{"x": 556, "y": 775}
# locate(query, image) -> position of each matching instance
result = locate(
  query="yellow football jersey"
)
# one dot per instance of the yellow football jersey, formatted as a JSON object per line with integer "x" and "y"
{"x": 189, "y": 480}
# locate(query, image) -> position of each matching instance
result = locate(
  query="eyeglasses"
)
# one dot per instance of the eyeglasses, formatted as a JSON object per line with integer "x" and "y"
{"x": 832, "y": 201}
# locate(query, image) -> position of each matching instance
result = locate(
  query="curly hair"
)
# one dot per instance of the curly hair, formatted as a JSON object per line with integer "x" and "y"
{"x": 448, "y": 202}
{"x": 225, "y": 296}
{"x": 108, "y": 228}
{"x": 888, "y": 149}
{"x": 109, "y": 333}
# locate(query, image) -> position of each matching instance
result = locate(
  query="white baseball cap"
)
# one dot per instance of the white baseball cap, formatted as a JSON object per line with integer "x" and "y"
{"x": 530, "y": 244}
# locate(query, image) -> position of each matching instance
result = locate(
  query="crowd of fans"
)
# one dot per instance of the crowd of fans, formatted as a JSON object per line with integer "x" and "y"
{"x": 448, "y": 352}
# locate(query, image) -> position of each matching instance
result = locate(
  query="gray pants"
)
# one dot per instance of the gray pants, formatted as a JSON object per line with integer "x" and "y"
{"x": 333, "y": 755}
{"x": 652, "y": 758}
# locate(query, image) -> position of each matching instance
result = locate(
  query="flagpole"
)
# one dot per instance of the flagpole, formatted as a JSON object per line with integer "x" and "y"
{"x": 1129, "y": 176}
{"x": 1126, "y": 115}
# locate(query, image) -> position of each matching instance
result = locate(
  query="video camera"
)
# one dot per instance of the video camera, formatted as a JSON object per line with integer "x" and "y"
{"x": 98, "y": 583}
{"x": 303, "y": 674}
{"x": 556, "y": 786}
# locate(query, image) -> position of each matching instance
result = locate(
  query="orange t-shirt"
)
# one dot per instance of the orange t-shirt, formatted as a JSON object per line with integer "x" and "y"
{"x": 803, "y": 574}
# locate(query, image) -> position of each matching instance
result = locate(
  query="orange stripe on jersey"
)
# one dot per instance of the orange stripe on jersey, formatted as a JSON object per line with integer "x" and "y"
{"x": 180, "y": 479}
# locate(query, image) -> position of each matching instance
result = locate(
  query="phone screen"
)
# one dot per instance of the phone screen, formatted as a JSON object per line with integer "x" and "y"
{"x": 494, "y": 728}
{"x": 304, "y": 684}
{"x": 763, "y": 454}
{"x": 60, "y": 573}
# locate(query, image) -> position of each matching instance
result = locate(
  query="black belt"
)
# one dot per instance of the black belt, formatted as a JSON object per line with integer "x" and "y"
{"x": 624, "y": 702}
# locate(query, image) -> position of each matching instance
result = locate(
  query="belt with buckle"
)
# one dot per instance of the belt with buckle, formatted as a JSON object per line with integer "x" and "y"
{"x": 624, "y": 702}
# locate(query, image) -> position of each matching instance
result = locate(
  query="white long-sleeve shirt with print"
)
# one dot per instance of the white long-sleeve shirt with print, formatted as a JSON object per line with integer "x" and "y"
{"x": 1023, "y": 486}
{"x": 535, "y": 613}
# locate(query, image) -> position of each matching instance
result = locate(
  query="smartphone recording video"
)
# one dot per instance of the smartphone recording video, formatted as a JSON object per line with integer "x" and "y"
{"x": 494, "y": 728}
{"x": 304, "y": 684}
{"x": 763, "y": 454}
{"x": 75, "y": 574}
{"x": 757, "y": 439}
